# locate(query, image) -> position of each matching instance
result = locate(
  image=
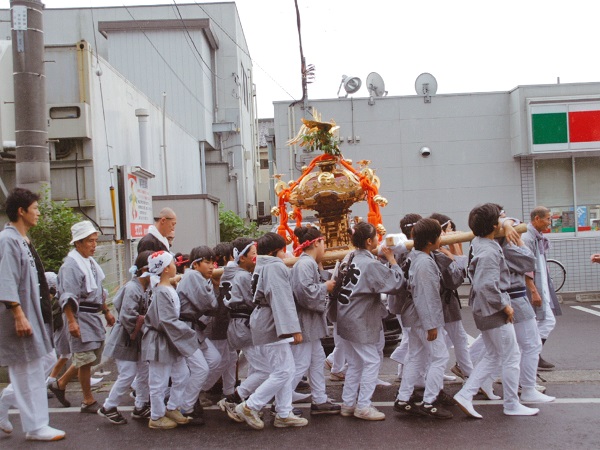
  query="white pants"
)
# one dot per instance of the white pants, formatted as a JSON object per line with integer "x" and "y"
{"x": 500, "y": 346}
{"x": 8, "y": 394}
{"x": 28, "y": 391}
{"x": 460, "y": 340}
{"x": 530, "y": 345}
{"x": 198, "y": 368}
{"x": 279, "y": 383}
{"x": 337, "y": 357}
{"x": 477, "y": 350}
{"x": 258, "y": 370}
{"x": 421, "y": 354}
{"x": 400, "y": 352}
{"x": 547, "y": 324}
{"x": 225, "y": 368}
{"x": 361, "y": 376}
{"x": 158, "y": 380}
{"x": 310, "y": 357}
{"x": 129, "y": 371}
{"x": 212, "y": 359}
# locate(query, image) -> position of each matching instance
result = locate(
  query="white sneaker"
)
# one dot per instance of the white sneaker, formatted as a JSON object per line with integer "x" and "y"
{"x": 521, "y": 410}
{"x": 488, "y": 390}
{"x": 5, "y": 425}
{"x": 380, "y": 382}
{"x": 466, "y": 406}
{"x": 45, "y": 434}
{"x": 532, "y": 395}
{"x": 290, "y": 421}
{"x": 540, "y": 388}
{"x": 449, "y": 377}
{"x": 369, "y": 413}
{"x": 249, "y": 416}
{"x": 347, "y": 411}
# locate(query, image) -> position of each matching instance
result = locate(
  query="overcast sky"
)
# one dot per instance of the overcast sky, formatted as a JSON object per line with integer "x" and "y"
{"x": 469, "y": 46}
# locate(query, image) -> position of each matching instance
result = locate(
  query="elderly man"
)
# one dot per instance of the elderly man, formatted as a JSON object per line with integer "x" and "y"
{"x": 82, "y": 298}
{"x": 24, "y": 339}
{"x": 539, "y": 284}
{"x": 157, "y": 237}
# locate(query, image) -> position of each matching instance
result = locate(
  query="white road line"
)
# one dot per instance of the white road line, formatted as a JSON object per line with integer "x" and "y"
{"x": 587, "y": 310}
{"x": 595, "y": 306}
{"x": 558, "y": 401}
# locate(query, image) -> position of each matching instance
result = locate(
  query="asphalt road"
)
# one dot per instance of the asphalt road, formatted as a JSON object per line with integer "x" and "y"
{"x": 569, "y": 423}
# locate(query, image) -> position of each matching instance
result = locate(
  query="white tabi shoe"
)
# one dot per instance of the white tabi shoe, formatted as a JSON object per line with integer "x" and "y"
{"x": 521, "y": 410}
{"x": 532, "y": 395}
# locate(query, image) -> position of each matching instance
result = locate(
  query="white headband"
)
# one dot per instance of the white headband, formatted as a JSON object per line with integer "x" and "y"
{"x": 237, "y": 254}
{"x": 157, "y": 263}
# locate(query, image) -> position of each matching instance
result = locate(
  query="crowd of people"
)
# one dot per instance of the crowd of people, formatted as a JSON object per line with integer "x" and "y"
{"x": 178, "y": 330}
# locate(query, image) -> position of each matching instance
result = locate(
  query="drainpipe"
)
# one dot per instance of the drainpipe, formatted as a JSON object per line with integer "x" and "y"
{"x": 142, "y": 115}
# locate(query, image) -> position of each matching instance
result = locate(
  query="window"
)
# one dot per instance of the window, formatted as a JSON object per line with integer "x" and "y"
{"x": 264, "y": 164}
{"x": 570, "y": 187}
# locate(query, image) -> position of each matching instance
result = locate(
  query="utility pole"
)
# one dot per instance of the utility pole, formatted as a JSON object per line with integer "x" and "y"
{"x": 31, "y": 128}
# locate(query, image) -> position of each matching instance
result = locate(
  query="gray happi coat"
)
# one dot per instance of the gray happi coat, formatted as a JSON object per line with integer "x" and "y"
{"x": 19, "y": 284}
{"x": 423, "y": 307}
{"x": 310, "y": 294}
{"x": 198, "y": 299}
{"x": 360, "y": 309}
{"x": 453, "y": 272}
{"x": 236, "y": 288}
{"x": 71, "y": 288}
{"x": 490, "y": 280}
{"x": 275, "y": 316}
{"x": 130, "y": 302}
{"x": 520, "y": 260}
{"x": 534, "y": 240}
{"x": 166, "y": 338}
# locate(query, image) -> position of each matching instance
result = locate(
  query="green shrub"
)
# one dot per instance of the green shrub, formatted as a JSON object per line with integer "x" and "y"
{"x": 233, "y": 226}
{"x": 52, "y": 234}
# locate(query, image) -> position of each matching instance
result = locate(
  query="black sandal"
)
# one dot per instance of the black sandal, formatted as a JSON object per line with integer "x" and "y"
{"x": 90, "y": 409}
{"x": 59, "y": 393}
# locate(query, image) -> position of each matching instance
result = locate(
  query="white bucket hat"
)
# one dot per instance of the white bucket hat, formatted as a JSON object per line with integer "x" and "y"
{"x": 81, "y": 230}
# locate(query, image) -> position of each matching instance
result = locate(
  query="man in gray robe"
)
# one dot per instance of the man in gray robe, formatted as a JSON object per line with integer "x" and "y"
{"x": 82, "y": 298}
{"x": 541, "y": 290}
{"x": 24, "y": 341}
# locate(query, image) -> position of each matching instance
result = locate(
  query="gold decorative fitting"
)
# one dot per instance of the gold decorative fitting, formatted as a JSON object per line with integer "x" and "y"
{"x": 326, "y": 178}
{"x": 381, "y": 230}
{"x": 275, "y": 211}
{"x": 381, "y": 201}
{"x": 292, "y": 215}
{"x": 288, "y": 240}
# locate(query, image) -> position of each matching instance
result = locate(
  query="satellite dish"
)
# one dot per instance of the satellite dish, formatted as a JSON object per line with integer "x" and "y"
{"x": 375, "y": 85}
{"x": 426, "y": 85}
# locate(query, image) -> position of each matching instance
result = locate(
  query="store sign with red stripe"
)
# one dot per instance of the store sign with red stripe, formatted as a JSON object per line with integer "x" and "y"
{"x": 565, "y": 126}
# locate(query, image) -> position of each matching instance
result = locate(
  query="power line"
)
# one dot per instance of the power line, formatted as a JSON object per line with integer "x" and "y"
{"x": 101, "y": 101}
{"x": 194, "y": 44}
{"x": 244, "y": 51}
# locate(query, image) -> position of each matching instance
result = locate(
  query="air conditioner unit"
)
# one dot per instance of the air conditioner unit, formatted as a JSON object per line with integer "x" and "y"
{"x": 261, "y": 209}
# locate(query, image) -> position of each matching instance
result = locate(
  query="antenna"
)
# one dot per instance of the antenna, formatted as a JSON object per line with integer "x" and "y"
{"x": 376, "y": 87}
{"x": 426, "y": 85}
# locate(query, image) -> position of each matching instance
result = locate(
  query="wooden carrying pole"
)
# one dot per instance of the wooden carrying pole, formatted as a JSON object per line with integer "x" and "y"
{"x": 338, "y": 255}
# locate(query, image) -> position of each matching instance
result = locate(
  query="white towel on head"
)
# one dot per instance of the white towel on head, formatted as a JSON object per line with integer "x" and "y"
{"x": 85, "y": 264}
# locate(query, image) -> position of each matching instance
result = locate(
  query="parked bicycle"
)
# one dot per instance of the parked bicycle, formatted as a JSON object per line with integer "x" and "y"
{"x": 558, "y": 273}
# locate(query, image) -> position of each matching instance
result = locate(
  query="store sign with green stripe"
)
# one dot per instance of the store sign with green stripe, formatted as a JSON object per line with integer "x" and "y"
{"x": 565, "y": 127}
